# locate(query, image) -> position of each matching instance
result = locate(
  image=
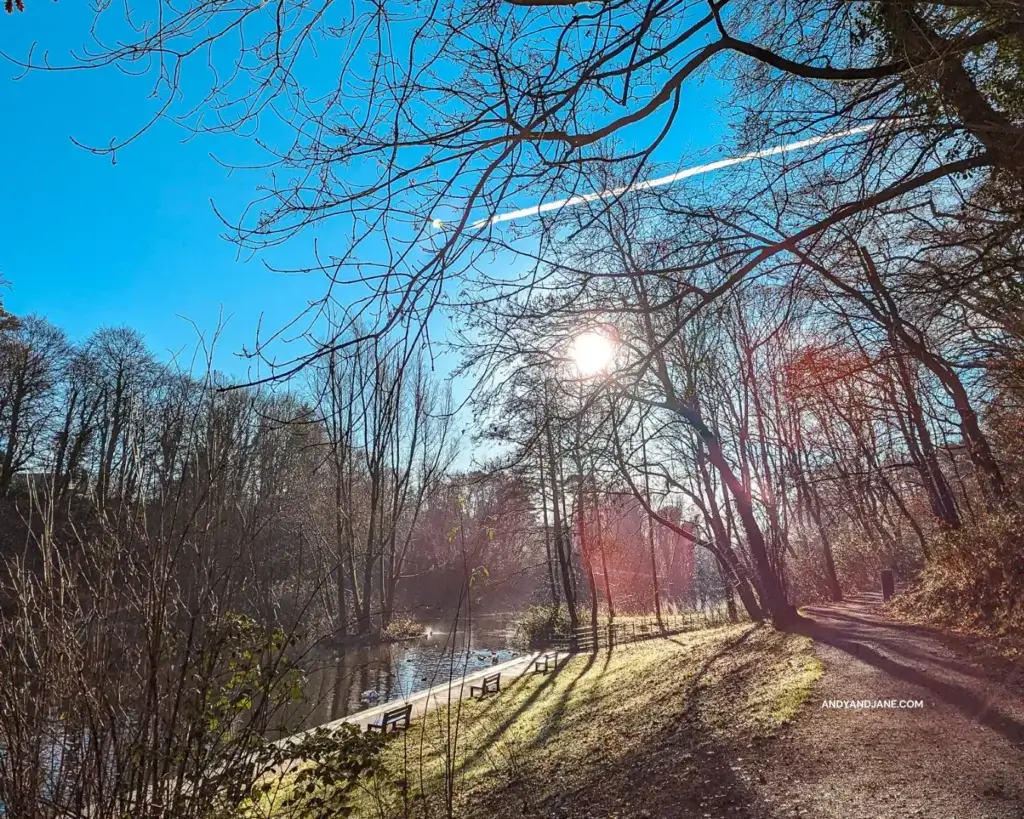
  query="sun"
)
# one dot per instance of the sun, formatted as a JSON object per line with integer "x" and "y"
{"x": 592, "y": 353}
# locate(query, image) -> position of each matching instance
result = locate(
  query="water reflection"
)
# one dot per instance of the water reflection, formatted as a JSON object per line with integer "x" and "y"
{"x": 338, "y": 681}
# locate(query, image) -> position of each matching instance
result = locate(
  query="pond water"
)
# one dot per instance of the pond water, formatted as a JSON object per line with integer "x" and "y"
{"x": 338, "y": 681}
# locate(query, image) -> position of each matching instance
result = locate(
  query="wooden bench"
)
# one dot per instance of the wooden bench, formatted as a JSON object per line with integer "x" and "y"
{"x": 490, "y": 684}
{"x": 396, "y": 718}
{"x": 545, "y": 662}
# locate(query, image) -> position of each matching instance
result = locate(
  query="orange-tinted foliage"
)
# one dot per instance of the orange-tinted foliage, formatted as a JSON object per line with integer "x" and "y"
{"x": 819, "y": 369}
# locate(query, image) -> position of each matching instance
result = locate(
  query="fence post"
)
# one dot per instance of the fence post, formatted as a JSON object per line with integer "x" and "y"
{"x": 888, "y": 585}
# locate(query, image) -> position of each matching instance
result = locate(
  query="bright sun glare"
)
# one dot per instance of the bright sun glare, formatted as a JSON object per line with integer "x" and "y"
{"x": 592, "y": 353}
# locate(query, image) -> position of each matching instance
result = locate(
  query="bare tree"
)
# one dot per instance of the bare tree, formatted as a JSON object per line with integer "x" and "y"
{"x": 31, "y": 357}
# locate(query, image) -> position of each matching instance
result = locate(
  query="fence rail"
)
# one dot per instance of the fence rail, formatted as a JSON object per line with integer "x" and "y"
{"x": 632, "y": 630}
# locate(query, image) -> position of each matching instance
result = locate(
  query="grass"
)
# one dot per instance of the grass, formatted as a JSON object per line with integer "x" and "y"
{"x": 678, "y": 719}
{"x": 780, "y": 703}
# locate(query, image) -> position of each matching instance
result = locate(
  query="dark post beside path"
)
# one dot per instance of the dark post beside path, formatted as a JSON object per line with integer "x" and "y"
{"x": 888, "y": 585}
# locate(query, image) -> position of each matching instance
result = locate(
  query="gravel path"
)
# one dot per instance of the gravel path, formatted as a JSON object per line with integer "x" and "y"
{"x": 960, "y": 756}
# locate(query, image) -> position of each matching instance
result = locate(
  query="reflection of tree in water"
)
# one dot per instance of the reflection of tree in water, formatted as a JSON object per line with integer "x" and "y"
{"x": 342, "y": 688}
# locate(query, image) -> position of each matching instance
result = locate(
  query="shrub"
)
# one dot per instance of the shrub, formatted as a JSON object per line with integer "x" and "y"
{"x": 325, "y": 765}
{"x": 401, "y": 628}
{"x": 538, "y": 624}
{"x": 975, "y": 578}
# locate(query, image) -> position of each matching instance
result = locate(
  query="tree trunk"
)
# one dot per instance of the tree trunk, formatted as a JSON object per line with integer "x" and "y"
{"x": 587, "y": 560}
{"x": 978, "y": 449}
{"x": 604, "y": 559}
{"x": 559, "y": 533}
{"x": 940, "y": 496}
{"x": 552, "y": 567}
{"x": 773, "y": 598}
{"x": 956, "y": 90}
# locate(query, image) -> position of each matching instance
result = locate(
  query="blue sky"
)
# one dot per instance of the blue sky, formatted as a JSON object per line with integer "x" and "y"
{"x": 90, "y": 244}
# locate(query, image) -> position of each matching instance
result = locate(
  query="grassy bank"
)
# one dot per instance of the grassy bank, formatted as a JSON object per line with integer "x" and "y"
{"x": 673, "y": 719}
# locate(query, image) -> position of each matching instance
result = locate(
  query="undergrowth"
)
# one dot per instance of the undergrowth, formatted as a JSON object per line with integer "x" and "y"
{"x": 974, "y": 581}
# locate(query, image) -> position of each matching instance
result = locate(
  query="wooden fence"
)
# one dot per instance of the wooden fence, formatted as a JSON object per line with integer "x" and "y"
{"x": 633, "y": 629}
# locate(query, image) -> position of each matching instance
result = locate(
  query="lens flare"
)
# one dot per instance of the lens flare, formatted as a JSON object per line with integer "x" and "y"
{"x": 592, "y": 353}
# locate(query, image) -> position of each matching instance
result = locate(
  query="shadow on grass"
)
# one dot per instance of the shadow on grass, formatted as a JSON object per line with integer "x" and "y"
{"x": 505, "y": 721}
{"x": 669, "y": 762}
{"x": 660, "y": 740}
{"x": 555, "y": 719}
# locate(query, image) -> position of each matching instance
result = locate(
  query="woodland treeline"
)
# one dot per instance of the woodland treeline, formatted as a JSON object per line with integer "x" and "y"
{"x": 818, "y": 349}
{"x": 331, "y": 506}
{"x": 829, "y": 420}
{"x": 177, "y": 549}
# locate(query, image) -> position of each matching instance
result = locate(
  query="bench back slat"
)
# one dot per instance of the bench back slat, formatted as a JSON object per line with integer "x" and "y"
{"x": 396, "y": 715}
{"x": 488, "y": 684}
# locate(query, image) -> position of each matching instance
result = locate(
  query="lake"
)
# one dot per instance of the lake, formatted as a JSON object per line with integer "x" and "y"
{"x": 337, "y": 681}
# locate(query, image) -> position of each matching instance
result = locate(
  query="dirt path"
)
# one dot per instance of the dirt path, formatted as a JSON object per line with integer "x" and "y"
{"x": 960, "y": 756}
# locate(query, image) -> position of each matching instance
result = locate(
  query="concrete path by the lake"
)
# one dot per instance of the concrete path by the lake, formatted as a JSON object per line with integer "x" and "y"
{"x": 426, "y": 701}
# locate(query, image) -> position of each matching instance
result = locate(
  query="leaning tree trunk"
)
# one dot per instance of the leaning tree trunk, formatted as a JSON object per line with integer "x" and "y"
{"x": 990, "y": 475}
{"x": 773, "y": 598}
{"x": 723, "y": 550}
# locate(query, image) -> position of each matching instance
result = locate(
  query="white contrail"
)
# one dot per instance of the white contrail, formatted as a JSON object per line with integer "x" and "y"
{"x": 536, "y": 210}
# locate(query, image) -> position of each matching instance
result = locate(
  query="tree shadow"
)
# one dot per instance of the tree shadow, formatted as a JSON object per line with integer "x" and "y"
{"x": 856, "y": 615}
{"x": 671, "y": 762}
{"x": 963, "y": 699}
{"x": 557, "y": 714}
{"x": 556, "y": 719}
{"x": 896, "y": 646}
{"x": 982, "y": 657}
{"x": 396, "y": 784}
{"x": 507, "y": 720}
